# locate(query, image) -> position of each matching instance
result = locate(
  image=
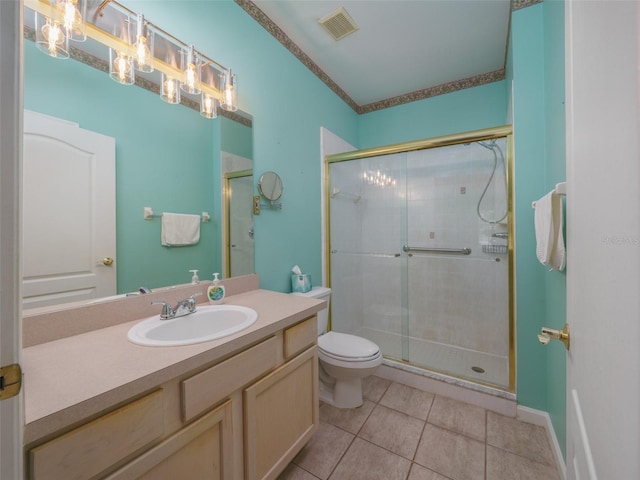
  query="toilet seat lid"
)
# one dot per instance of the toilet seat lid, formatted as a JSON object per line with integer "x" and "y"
{"x": 347, "y": 347}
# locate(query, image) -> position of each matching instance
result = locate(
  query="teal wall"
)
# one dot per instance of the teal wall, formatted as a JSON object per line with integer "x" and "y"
{"x": 461, "y": 111}
{"x": 236, "y": 138}
{"x": 536, "y": 67}
{"x": 556, "y": 285}
{"x": 529, "y": 143}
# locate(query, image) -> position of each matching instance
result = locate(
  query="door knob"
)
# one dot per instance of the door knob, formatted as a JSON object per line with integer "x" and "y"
{"x": 107, "y": 261}
{"x": 549, "y": 334}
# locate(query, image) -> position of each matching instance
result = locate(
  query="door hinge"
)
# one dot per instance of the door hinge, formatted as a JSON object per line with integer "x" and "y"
{"x": 10, "y": 381}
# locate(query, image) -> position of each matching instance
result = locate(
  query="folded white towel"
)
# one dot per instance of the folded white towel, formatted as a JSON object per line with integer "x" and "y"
{"x": 179, "y": 229}
{"x": 548, "y": 218}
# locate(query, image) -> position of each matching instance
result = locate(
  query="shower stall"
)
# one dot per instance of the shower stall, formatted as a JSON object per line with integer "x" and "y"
{"x": 420, "y": 253}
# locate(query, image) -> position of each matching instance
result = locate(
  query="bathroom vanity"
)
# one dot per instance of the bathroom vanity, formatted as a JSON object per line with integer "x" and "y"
{"x": 99, "y": 406}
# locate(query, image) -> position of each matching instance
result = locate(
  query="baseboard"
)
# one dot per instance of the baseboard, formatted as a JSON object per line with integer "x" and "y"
{"x": 542, "y": 419}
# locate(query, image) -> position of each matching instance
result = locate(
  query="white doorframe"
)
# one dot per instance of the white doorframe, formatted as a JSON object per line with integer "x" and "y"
{"x": 11, "y": 74}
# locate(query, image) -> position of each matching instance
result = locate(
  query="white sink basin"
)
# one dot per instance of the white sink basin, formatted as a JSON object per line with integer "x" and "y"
{"x": 208, "y": 322}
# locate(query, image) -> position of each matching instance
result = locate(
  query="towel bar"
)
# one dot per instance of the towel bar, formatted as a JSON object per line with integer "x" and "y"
{"x": 148, "y": 214}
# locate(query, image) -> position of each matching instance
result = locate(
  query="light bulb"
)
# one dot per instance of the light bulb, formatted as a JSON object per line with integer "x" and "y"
{"x": 54, "y": 36}
{"x": 69, "y": 15}
{"x": 143, "y": 55}
{"x": 50, "y": 37}
{"x": 191, "y": 68}
{"x": 229, "y": 95}
{"x": 208, "y": 106}
{"x": 169, "y": 91}
{"x": 121, "y": 68}
{"x": 72, "y": 13}
{"x": 144, "y": 46}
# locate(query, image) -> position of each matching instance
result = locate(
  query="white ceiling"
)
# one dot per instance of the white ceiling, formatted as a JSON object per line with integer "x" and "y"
{"x": 402, "y": 46}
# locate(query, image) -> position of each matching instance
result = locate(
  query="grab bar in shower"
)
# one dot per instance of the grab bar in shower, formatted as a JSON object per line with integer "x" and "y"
{"x": 450, "y": 251}
{"x": 366, "y": 254}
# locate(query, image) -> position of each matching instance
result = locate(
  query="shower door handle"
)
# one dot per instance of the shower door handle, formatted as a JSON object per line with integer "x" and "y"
{"x": 450, "y": 251}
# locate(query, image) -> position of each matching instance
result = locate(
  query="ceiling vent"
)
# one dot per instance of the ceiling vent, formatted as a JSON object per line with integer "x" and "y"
{"x": 339, "y": 24}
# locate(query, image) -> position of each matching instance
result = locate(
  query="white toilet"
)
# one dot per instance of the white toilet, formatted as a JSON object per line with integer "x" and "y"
{"x": 344, "y": 359}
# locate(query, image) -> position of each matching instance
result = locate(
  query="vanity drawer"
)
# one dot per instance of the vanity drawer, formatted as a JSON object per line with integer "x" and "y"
{"x": 300, "y": 336}
{"x": 86, "y": 451}
{"x": 205, "y": 389}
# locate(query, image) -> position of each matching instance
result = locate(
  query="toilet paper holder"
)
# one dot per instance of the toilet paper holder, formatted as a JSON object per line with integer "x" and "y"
{"x": 549, "y": 334}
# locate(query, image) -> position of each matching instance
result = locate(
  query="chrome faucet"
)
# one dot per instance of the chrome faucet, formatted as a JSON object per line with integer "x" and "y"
{"x": 183, "y": 307}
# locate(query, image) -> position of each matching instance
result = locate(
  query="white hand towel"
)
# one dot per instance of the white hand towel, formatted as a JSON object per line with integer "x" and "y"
{"x": 557, "y": 260}
{"x": 179, "y": 229}
{"x": 548, "y": 219}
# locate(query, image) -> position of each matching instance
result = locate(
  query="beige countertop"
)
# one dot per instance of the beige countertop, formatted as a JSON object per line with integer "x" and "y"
{"x": 77, "y": 377}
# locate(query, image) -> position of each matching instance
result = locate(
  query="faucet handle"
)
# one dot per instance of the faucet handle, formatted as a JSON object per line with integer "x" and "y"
{"x": 192, "y": 301}
{"x": 167, "y": 311}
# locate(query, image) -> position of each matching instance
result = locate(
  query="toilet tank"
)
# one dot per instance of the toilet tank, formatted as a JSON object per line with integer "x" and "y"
{"x": 321, "y": 293}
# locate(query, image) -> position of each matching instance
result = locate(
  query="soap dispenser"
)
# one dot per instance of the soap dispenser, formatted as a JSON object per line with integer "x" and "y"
{"x": 195, "y": 279}
{"x": 216, "y": 291}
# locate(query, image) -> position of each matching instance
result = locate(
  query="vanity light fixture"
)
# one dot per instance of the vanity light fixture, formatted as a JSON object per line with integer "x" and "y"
{"x": 229, "y": 101}
{"x": 208, "y": 107}
{"x": 170, "y": 90}
{"x": 147, "y": 49}
{"x": 144, "y": 46}
{"x": 191, "y": 69}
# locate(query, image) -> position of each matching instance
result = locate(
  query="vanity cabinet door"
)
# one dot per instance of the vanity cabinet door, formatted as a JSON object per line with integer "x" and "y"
{"x": 201, "y": 450}
{"x": 280, "y": 416}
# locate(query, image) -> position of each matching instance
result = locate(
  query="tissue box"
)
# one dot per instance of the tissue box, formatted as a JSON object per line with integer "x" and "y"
{"x": 300, "y": 283}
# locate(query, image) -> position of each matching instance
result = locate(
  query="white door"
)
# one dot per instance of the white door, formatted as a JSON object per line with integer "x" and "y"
{"x": 11, "y": 409}
{"x": 69, "y": 212}
{"x": 603, "y": 233}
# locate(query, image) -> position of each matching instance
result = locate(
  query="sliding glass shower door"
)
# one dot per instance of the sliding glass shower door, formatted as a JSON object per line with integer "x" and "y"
{"x": 419, "y": 257}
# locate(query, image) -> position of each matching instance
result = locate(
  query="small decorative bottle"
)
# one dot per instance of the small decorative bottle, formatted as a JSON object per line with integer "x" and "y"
{"x": 216, "y": 291}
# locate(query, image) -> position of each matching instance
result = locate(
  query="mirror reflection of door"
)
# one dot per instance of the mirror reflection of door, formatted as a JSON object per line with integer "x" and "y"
{"x": 239, "y": 212}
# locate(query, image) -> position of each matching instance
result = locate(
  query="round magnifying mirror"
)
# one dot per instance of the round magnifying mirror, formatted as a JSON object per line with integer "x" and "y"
{"x": 270, "y": 186}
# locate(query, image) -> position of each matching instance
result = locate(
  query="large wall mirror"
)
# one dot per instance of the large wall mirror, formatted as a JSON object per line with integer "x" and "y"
{"x": 167, "y": 157}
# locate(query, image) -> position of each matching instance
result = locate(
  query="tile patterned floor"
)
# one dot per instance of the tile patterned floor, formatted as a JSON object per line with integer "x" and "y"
{"x": 401, "y": 433}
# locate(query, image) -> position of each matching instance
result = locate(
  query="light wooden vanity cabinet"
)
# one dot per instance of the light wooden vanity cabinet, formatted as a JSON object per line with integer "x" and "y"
{"x": 253, "y": 411}
{"x": 88, "y": 450}
{"x": 201, "y": 450}
{"x": 280, "y": 416}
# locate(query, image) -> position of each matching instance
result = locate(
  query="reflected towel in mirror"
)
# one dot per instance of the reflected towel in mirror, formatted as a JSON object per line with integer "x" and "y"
{"x": 180, "y": 229}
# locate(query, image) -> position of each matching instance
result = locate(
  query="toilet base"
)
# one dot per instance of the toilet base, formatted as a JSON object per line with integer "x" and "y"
{"x": 343, "y": 393}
